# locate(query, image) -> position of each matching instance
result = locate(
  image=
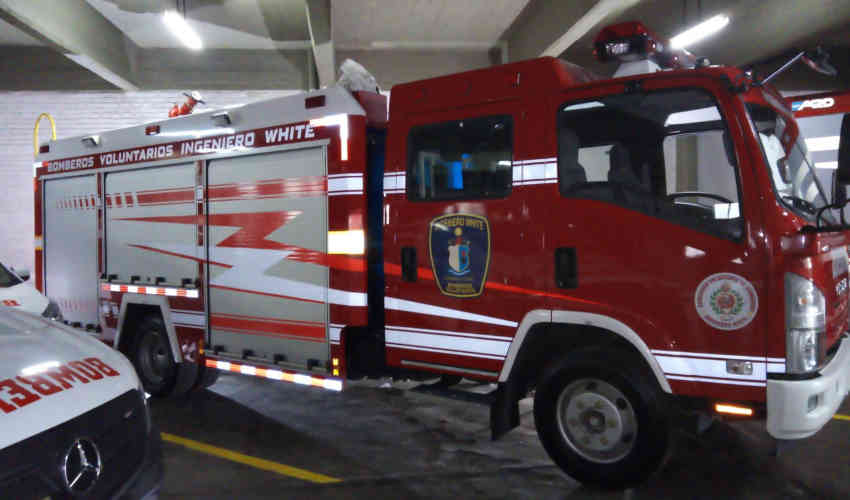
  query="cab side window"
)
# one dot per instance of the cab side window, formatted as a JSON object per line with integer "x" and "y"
{"x": 665, "y": 154}
{"x": 460, "y": 159}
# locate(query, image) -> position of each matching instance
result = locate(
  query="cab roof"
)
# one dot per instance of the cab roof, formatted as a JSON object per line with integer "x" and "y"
{"x": 496, "y": 83}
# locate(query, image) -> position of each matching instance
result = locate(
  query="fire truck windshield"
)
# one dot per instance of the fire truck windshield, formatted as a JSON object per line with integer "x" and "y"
{"x": 794, "y": 178}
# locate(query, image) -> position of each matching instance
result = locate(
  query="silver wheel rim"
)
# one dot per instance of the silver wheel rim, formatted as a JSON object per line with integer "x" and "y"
{"x": 596, "y": 420}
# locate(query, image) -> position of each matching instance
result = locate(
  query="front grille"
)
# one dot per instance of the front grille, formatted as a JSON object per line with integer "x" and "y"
{"x": 32, "y": 468}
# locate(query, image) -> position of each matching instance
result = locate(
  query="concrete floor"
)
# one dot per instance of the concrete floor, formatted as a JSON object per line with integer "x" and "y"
{"x": 383, "y": 442}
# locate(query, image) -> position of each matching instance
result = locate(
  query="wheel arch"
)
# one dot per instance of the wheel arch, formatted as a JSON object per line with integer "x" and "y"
{"x": 537, "y": 324}
{"x": 133, "y": 309}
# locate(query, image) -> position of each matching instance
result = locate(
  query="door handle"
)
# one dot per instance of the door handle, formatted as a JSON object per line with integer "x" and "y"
{"x": 408, "y": 264}
{"x": 566, "y": 267}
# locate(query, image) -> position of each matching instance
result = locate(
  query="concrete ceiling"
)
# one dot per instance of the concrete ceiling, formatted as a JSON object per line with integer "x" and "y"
{"x": 221, "y": 24}
{"x": 757, "y": 30}
{"x": 299, "y": 43}
{"x": 454, "y": 24}
{"x": 12, "y": 36}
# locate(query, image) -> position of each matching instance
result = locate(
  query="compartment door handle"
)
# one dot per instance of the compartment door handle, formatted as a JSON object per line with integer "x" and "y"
{"x": 408, "y": 264}
{"x": 566, "y": 267}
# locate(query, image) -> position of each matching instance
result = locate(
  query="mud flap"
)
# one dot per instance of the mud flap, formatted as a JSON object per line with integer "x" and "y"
{"x": 187, "y": 376}
{"x": 504, "y": 411}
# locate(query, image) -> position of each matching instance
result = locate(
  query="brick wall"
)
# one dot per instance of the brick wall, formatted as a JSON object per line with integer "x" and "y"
{"x": 76, "y": 113}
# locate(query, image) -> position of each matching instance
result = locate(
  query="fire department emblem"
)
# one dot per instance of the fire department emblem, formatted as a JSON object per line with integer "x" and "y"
{"x": 726, "y": 301}
{"x": 459, "y": 245}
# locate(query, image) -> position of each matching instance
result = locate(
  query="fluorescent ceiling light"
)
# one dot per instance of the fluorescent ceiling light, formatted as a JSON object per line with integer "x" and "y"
{"x": 181, "y": 29}
{"x": 829, "y": 165}
{"x": 826, "y": 143}
{"x": 700, "y": 31}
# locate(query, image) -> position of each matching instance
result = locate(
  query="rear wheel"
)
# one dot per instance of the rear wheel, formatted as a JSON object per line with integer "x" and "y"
{"x": 602, "y": 419}
{"x": 152, "y": 357}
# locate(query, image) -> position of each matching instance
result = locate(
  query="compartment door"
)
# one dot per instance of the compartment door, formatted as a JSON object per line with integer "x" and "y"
{"x": 151, "y": 225}
{"x": 267, "y": 222}
{"x": 70, "y": 246}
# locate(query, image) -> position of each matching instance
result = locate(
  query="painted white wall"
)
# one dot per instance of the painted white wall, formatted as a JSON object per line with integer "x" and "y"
{"x": 76, "y": 113}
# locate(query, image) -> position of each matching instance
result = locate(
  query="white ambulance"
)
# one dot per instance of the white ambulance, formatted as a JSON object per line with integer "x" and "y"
{"x": 17, "y": 291}
{"x": 74, "y": 420}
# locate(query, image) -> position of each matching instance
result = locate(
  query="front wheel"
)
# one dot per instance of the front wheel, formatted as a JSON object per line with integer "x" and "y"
{"x": 602, "y": 419}
{"x": 152, "y": 357}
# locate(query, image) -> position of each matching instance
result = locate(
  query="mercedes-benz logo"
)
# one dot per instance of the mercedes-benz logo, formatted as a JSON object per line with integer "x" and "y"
{"x": 81, "y": 466}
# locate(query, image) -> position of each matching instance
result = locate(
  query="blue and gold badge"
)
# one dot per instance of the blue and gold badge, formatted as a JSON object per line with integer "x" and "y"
{"x": 460, "y": 253}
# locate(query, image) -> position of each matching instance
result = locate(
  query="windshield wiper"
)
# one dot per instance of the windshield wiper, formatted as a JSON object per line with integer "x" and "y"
{"x": 802, "y": 204}
{"x": 825, "y": 229}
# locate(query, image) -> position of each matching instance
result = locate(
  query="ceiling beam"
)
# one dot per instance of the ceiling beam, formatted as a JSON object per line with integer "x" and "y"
{"x": 77, "y": 31}
{"x": 539, "y": 29}
{"x": 602, "y": 10}
{"x": 319, "y": 23}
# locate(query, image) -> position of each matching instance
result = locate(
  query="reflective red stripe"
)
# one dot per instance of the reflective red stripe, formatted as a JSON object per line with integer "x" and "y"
{"x": 270, "y": 325}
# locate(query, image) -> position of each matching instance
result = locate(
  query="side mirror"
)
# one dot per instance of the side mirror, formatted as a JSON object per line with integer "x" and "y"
{"x": 784, "y": 171}
{"x": 818, "y": 60}
{"x": 24, "y": 274}
{"x": 842, "y": 174}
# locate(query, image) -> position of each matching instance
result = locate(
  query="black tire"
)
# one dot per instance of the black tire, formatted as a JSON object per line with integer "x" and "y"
{"x": 615, "y": 429}
{"x": 152, "y": 357}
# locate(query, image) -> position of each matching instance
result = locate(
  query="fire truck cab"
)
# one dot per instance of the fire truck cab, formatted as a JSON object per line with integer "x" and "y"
{"x": 624, "y": 248}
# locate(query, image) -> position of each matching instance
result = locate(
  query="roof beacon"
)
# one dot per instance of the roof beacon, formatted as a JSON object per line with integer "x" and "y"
{"x": 638, "y": 49}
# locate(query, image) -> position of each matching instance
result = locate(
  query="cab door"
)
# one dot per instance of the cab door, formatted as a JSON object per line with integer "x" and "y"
{"x": 664, "y": 229}
{"x": 453, "y": 231}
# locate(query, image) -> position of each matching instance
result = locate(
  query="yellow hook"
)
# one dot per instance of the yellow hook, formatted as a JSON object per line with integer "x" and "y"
{"x": 35, "y": 132}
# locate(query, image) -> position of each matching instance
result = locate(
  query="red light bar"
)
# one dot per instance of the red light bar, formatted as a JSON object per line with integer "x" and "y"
{"x": 629, "y": 41}
{"x": 632, "y": 41}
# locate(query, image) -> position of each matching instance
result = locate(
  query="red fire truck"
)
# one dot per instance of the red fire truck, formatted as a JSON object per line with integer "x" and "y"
{"x": 621, "y": 248}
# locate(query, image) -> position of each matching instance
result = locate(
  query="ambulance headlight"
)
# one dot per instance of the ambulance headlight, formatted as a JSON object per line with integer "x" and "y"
{"x": 805, "y": 324}
{"x": 52, "y": 311}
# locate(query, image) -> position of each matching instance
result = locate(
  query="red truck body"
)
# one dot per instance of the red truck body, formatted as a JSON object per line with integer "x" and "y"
{"x": 514, "y": 225}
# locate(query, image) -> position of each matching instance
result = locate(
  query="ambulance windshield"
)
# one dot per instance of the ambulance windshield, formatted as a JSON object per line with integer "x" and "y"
{"x": 7, "y": 278}
{"x": 794, "y": 178}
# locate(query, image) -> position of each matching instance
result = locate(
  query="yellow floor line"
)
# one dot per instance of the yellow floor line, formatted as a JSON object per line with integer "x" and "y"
{"x": 839, "y": 416}
{"x": 255, "y": 462}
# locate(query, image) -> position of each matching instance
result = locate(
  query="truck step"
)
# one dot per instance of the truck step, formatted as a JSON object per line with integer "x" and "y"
{"x": 444, "y": 391}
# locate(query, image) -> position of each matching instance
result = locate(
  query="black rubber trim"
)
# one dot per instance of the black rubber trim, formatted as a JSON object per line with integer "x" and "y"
{"x": 793, "y": 376}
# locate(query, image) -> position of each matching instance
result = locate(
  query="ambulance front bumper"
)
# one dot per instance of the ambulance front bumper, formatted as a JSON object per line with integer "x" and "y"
{"x": 797, "y": 409}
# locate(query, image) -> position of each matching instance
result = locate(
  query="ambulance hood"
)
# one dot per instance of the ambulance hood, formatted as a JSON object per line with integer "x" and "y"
{"x": 24, "y": 297}
{"x": 50, "y": 373}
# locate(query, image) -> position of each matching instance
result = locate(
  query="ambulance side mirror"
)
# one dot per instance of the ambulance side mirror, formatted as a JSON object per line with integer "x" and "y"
{"x": 842, "y": 174}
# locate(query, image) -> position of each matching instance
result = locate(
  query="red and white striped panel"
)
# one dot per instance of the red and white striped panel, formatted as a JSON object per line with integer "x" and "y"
{"x": 331, "y": 384}
{"x": 151, "y": 290}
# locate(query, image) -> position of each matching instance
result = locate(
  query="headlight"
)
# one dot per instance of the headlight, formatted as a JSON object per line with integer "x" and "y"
{"x": 53, "y": 312}
{"x": 805, "y": 324}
